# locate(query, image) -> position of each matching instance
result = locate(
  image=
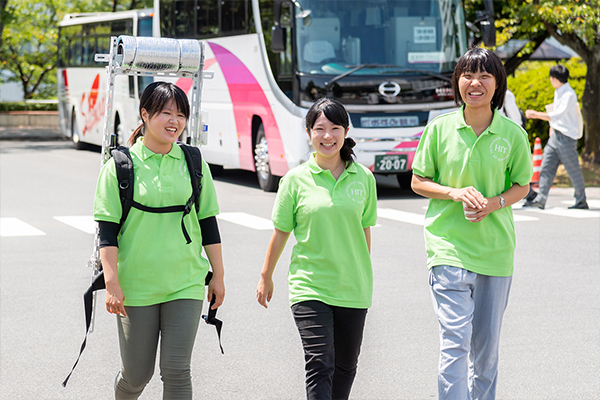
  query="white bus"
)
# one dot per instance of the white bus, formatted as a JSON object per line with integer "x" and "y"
{"x": 388, "y": 61}
{"x": 82, "y": 81}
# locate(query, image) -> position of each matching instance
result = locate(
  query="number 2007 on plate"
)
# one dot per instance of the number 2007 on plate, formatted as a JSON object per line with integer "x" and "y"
{"x": 391, "y": 163}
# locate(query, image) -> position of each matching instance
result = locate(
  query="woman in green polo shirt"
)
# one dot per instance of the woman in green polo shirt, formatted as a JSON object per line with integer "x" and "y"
{"x": 473, "y": 164}
{"x": 154, "y": 280}
{"x": 330, "y": 202}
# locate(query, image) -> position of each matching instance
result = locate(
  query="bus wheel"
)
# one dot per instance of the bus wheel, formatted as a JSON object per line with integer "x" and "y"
{"x": 119, "y": 131}
{"x": 267, "y": 181}
{"x": 75, "y": 135}
{"x": 404, "y": 180}
{"x": 216, "y": 170}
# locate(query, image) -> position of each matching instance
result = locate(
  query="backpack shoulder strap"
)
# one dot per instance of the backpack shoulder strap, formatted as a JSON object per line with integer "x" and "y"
{"x": 193, "y": 157}
{"x": 125, "y": 178}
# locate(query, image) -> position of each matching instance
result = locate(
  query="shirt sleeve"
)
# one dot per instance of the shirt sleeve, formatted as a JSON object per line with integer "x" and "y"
{"x": 107, "y": 202}
{"x": 370, "y": 213}
{"x": 520, "y": 169}
{"x": 209, "y": 207}
{"x": 424, "y": 163}
{"x": 283, "y": 214}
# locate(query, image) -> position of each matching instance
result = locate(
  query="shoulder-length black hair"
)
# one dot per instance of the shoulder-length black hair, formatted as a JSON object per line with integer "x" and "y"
{"x": 335, "y": 112}
{"x": 153, "y": 100}
{"x": 475, "y": 60}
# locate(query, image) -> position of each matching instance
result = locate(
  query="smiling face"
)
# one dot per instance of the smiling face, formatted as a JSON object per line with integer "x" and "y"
{"x": 477, "y": 88}
{"x": 327, "y": 138}
{"x": 163, "y": 128}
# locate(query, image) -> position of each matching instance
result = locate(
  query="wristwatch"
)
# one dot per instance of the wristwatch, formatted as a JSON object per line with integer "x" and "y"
{"x": 501, "y": 201}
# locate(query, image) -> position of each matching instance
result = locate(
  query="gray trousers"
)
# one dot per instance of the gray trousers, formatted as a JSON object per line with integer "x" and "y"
{"x": 176, "y": 322}
{"x": 561, "y": 149}
{"x": 469, "y": 308}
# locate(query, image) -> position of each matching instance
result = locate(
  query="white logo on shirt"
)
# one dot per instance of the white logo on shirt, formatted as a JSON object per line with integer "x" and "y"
{"x": 183, "y": 171}
{"x": 356, "y": 192}
{"x": 500, "y": 148}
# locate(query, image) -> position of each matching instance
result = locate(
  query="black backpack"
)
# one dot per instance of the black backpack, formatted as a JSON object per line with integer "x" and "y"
{"x": 125, "y": 177}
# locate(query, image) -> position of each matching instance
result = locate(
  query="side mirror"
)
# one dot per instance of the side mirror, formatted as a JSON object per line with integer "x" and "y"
{"x": 278, "y": 39}
{"x": 488, "y": 29}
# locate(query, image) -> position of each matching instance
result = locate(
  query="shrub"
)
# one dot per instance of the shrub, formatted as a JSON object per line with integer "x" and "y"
{"x": 22, "y": 106}
{"x": 532, "y": 89}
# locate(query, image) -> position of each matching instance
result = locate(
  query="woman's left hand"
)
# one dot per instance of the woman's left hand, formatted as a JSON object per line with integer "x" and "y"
{"x": 480, "y": 213}
{"x": 216, "y": 287}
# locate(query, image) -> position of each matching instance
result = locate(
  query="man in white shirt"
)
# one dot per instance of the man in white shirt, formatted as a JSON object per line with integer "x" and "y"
{"x": 562, "y": 145}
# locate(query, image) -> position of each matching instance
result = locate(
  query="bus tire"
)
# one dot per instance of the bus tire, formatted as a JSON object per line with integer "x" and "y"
{"x": 75, "y": 134}
{"x": 404, "y": 180}
{"x": 266, "y": 180}
{"x": 216, "y": 170}
{"x": 119, "y": 131}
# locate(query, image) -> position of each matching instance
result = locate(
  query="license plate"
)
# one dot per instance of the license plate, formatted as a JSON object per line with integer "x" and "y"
{"x": 388, "y": 122}
{"x": 391, "y": 163}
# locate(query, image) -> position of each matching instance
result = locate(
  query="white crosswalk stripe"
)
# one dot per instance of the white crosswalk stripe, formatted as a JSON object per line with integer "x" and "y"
{"x": 591, "y": 203}
{"x": 247, "y": 220}
{"x": 84, "y": 223}
{"x": 402, "y": 216}
{"x": 565, "y": 212}
{"x": 16, "y": 227}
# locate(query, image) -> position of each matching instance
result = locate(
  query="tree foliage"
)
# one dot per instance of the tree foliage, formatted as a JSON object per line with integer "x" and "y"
{"x": 575, "y": 23}
{"x": 30, "y": 35}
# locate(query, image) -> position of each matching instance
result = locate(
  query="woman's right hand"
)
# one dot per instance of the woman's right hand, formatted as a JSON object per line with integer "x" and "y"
{"x": 470, "y": 196}
{"x": 114, "y": 299}
{"x": 264, "y": 291}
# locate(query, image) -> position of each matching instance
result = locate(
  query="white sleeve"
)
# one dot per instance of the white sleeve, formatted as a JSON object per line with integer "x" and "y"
{"x": 511, "y": 108}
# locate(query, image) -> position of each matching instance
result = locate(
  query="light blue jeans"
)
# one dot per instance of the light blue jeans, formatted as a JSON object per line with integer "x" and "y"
{"x": 176, "y": 323}
{"x": 469, "y": 308}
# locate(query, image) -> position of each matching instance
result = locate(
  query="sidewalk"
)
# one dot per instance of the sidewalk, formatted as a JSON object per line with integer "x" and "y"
{"x": 31, "y": 133}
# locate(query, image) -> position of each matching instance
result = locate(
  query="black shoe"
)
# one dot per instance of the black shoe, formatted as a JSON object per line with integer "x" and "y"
{"x": 532, "y": 203}
{"x": 531, "y": 195}
{"x": 581, "y": 206}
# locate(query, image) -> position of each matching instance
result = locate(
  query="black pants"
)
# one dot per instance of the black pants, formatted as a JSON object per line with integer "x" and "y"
{"x": 331, "y": 337}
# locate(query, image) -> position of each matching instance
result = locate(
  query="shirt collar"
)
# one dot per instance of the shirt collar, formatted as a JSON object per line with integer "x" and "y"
{"x": 315, "y": 169}
{"x": 145, "y": 153}
{"x": 563, "y": 88}
{"x": 494, "y": 127}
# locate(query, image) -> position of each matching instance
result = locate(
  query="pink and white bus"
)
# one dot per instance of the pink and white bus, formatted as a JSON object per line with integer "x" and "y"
{"x": 388, "y": 61}
{"x": 82, "y": 81}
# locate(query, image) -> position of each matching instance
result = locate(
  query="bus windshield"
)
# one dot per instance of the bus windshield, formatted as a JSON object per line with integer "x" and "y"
{"x": 335, "y": 36}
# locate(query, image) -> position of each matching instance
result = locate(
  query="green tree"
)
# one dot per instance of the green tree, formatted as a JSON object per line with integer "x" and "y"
{"x": 575, "y": 23}
{"x": 30, "y": 33}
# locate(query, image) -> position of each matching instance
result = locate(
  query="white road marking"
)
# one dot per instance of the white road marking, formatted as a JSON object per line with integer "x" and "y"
{"x": 247, "y": 220}
{"x": 16, "y": 227}
{"x": 564, "y": 212}
{"x": 84, "y": 223}
{"x": 592, "y": 203}
{"x": 402, "y": 216}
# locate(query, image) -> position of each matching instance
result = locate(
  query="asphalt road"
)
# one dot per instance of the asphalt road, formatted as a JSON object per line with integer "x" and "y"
{"x": 550, "y": 346}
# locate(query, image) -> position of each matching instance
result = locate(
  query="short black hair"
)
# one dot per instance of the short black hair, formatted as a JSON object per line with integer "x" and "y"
{"x": 560, "y": 72}
{"x": 478, "y": 59}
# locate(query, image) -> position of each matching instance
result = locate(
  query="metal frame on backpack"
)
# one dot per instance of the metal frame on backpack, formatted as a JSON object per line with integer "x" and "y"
{"x": 109, "y": 139}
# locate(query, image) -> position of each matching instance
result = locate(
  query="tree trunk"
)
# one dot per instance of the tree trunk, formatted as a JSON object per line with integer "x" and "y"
{"x": 511, "y": 64}
{"x": 591, "y": 111}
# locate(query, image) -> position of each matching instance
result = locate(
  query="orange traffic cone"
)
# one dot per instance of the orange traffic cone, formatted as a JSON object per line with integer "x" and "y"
{"x": 537, "y": 162}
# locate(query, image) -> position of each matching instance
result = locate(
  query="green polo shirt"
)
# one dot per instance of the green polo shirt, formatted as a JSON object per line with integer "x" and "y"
{"x": 452, "y": 155}
{"x": 330, "y": 261}
{"x": 155, "y": 263}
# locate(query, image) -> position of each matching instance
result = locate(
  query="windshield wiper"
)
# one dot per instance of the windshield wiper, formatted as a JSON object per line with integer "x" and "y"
{"x": 418, "y": 71}
{"x": 353, "y": 70}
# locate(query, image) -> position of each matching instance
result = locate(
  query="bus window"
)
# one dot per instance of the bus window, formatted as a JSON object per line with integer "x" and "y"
{"x": 144, "y": 27}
